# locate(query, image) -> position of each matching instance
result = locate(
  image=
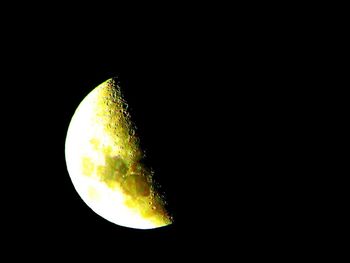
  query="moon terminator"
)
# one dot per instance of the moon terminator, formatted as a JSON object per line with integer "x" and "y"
{"x": 106, "y": 164}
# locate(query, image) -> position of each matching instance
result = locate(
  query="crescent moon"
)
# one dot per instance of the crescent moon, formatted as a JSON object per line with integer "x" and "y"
{"x": 105, "y": 162}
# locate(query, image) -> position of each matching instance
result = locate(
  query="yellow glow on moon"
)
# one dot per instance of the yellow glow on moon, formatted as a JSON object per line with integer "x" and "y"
{"x": 104, "y": 161}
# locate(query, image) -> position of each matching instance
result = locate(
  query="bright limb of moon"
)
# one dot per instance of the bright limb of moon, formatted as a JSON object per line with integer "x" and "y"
{"x": 104, "y": 161}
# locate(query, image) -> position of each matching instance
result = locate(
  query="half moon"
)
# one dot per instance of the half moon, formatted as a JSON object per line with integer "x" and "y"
{"x": 105, "y": 162}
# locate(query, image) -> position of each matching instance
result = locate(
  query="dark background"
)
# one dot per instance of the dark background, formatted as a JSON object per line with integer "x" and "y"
{"x": 205, "y": 93}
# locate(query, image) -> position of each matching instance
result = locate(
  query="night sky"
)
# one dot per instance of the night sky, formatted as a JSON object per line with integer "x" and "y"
{"x": 209, "y": 115}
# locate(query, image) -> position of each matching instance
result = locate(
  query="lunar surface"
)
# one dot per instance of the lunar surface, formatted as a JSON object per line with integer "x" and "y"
{"x": 106, "y": 164}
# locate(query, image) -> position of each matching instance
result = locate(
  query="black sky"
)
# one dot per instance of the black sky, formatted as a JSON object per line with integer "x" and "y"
{"x": 208, "y": 104}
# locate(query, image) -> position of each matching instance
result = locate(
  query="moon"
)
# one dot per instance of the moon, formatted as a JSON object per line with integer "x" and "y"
{"x": 106, "y": 164}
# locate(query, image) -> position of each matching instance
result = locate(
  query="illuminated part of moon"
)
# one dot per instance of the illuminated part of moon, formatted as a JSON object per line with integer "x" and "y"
{"x": 104, "y": 161}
